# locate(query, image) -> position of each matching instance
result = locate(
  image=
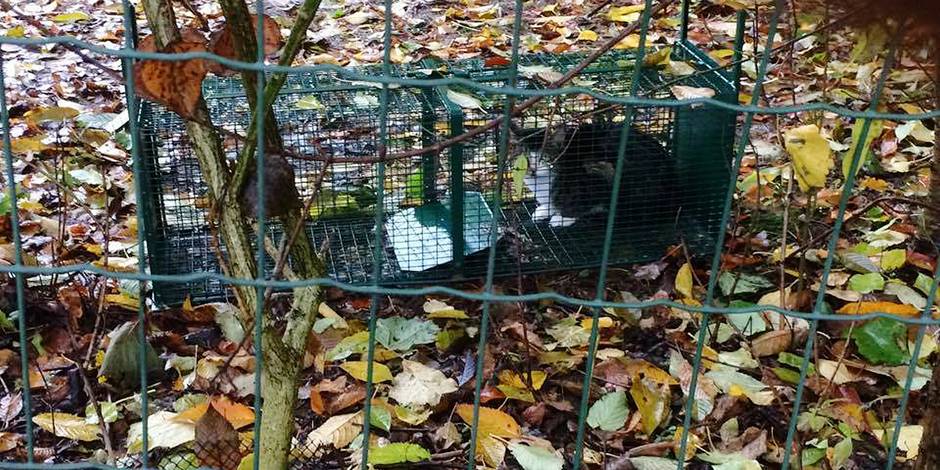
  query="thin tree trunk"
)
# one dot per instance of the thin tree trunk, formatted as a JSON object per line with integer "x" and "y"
{"x": 207, "y": 146}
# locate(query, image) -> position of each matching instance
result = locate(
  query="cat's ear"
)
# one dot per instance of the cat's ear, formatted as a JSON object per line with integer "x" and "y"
{"x": 557, "y": 136}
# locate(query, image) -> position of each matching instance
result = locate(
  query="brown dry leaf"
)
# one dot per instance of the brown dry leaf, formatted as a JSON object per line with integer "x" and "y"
{"x": 10, "y": 407}
{"x": 772, "y": 343}
{"x": 174, "y": 84}
{"x": 221, "y": 43}
{"x": 9, "y": 441}
{"x": 217, "y": 444}
{"x": 149, "y": 43}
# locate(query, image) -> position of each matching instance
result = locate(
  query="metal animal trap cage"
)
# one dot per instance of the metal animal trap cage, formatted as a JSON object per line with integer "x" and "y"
{"x": 439, "y": 208}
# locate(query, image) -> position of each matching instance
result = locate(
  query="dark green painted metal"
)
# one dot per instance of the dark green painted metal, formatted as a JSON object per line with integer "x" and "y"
{"x": 18, "y": 261}
{"x": 739, "y": 28}
{"x": 689, "y": 128}
{"x": 601, "y": 287}
{"x": 702, "y": 337}
{"x": 455, "y": 152}
{"x": 132, "y": 110}
{"x": 833, "y": 242}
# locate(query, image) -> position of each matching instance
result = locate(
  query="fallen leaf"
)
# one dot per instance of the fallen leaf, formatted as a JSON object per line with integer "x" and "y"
{"x": 358, "y": 370}
{"x": 418, "y": 384}
{"x": 67, "y": 425}
{"x": 174, "y": 84}
{"x": 217, "y": 444}
{"x": 812, "y": 158}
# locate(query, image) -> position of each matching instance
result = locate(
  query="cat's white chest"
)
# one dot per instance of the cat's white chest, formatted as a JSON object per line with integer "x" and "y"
{"x": 538, "y": 180}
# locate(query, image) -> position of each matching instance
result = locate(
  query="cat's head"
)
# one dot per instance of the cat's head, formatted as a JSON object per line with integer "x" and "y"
{"x": 534, "y": 140}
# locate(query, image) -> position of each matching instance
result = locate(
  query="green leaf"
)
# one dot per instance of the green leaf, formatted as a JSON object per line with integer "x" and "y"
{"x": 401, "y": 334}
{"x": 71, "y": 17}
{"x": 179, "y": 461}
{"x": 610, "y": 412}
{"x": 866, "y": 283}
{"x": 653, "y": 463}
{"x": 793, "y": 360}
{"x": 121, "y": 363}
{"x": 841, "y": 453}
{"x": 414, "y": 186}
{"x": 893, "y": 259}
{"x": 873, "y": 132}
{"x": 397, "y": 452}
{"x": 787, "y": 375}
{"x": 923, "y": 283}
{"x": 535, "y": 458}
{"x": 569, "y": 333}
{"x": 878, "y": 341}
{"x": 446, "y": 338}
{"x": 353, "y": 344}
{"x": 310, "y": 102}
{"x": 109, "y": 411}
{"x": 742, "y": 283}
{"x": 811, "y": 455}
{"x": 381, "y": 418}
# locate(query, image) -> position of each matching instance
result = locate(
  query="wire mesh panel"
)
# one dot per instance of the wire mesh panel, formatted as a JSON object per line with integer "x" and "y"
{"x": 441, "y": 205}
{"x": 538, "y": 191}
{"x": 560, "y": 181}
{"x": 319, "y": 116}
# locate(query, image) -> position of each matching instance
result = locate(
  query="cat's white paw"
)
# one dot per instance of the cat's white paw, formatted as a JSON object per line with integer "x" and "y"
{"x": 541, "y": 213}
{"x": 560, "y": 221}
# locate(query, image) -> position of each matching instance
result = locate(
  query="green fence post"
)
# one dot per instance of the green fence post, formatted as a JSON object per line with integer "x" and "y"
{"x": 137, "y": 164}
{"x": 18, "y": 263}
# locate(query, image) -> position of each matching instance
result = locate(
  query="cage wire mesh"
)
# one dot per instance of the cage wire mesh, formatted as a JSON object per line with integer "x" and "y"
{"x": 321, "y": 110}
{"x": 439, "y": 207}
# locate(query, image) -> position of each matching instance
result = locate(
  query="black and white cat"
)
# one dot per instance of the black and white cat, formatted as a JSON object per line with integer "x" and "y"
{"x": 571, "y": 173}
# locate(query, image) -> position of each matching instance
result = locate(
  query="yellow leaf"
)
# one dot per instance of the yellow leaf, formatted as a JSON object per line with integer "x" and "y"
{"x": 627, "y": 14}
{"x": 652, "y": 400}
{"x": 508, "y": 377}
{"x": 811, "y": 156}
{"x": 630, "y": 42}
{"x": 55, "y": 113}
{"x": 660, "y": 57}
{"x": 684, "y": 281}
{"x": 736, "y": 391}
{"x": 71, "y": 17}
{"x": 28, "y": 144}
{"x": 437, "y": 309}
{"x": 493, "y": 423}
{"x": 123, "y": 300}
{"x": 587, "y": 35}
{"x": 412, "y": 416}
{"x": 517, "y": 393}
{"x": 638, "y": 368}
{"x": 722, "y": 53}
{"x": 67, "y": 425}
{"x": 873, "y": 132}
{"x": 874, "y": 184}
{"x": 358, "y": 369}
{"x": 861, "y": 308}
{"x": 602, "y": 322}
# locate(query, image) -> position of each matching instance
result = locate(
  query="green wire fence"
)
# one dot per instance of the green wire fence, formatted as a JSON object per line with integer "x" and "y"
{"x": 376, "y": 288}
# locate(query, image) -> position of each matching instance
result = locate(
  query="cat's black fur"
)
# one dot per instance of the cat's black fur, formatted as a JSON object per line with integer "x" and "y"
{"x": 583, "y": 161}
